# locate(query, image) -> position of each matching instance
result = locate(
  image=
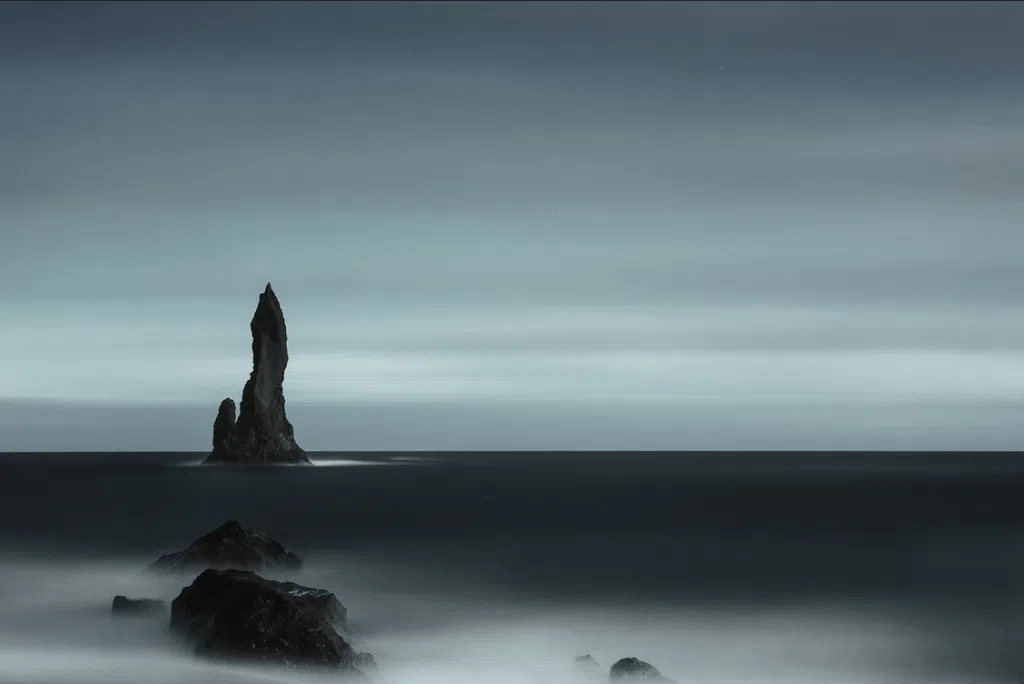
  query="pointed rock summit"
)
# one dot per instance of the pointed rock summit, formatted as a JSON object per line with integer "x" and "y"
{"x": 262, "y": 433}
{"x": 229, "y": 546}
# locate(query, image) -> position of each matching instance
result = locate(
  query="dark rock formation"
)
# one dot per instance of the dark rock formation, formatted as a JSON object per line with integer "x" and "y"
{"x": 123, "y": 605}
{"x": 586, "y": 665}
{"x": 633, "y": 668}
{"x": 230, "y": 546}
{"x": 238, "y": 615}
{"x": 365, "y": 662}
{"x": 223, "y": 424}
{"x": 262, "y": 433}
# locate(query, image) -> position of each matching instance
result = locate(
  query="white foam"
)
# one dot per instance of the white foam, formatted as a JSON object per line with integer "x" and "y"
{"x": 335, "y": 462}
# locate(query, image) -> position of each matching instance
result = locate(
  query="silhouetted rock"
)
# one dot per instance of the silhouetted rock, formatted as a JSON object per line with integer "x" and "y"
{"x": 633, "y": 668}
{"x": 223, "y": 424}
{"x": 238, "y": 615}
{"x": 586, "y": 663}
{"x": 262, "y": 433}
{"x": 230, "y": 546}
{"x": 123, "y": 605}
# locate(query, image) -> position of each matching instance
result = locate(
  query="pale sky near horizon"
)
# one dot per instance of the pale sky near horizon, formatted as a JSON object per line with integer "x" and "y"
{"x": 516, "y": 225}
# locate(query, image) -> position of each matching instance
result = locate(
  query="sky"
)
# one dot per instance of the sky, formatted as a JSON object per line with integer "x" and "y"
{"x": 507, "y": 225}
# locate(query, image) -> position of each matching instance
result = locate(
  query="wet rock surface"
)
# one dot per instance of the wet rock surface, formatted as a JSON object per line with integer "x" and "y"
{"x": 122, "y": 605}
{"x": 633, "y": 669}
{"x": 230, "y": 546}
{"x": 238, "y": 615}
{"x": 262, "y": 433}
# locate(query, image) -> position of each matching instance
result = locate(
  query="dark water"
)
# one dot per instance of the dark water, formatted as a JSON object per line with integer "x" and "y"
{"x": 503, "y": 567}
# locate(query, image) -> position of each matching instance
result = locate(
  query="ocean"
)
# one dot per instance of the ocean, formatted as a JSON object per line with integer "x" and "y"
{"x": 494, "y": 568}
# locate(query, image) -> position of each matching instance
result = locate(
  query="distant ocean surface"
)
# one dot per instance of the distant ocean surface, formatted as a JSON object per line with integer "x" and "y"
{"x": 502, "y": 567}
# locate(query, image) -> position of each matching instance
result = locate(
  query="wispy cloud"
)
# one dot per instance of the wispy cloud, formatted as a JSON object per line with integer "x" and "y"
{"x": 683, "y": 204}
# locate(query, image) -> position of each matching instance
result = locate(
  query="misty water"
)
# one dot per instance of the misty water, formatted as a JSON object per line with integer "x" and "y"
{"x": 504, "y": 567}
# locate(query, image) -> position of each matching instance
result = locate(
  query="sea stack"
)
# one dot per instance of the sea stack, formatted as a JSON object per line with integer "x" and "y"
{"x": 262, "y": 433}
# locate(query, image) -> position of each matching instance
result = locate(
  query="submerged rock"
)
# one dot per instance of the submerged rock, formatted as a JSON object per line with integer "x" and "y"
{"x": 585, "y": 664}
{"x": 365, "y": 662}
{"x": 634, "y": 668}
{"x": 123, "y": 605}
{"x": 230, "y": 546}
{"x": 262, "y": 433}
{"x": 238, "y": 615}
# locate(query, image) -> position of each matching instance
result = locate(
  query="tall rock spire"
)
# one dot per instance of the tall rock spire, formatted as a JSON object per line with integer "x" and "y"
{"x": 262, "y": 433}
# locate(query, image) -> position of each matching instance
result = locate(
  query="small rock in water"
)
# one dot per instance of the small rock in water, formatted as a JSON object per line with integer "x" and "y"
{"x": 634, "y": 668}
{"x": 585, "y": 664}
{"x": 238, "y": 615}
{"x": 365, "y": 661}
{"x": 230, "y": 546}
{"x": 123, "y": 605}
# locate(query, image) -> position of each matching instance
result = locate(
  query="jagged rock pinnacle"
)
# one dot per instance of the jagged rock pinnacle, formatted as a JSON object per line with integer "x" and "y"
{"x": 262, "y": 433}
{"x": 223, "y": 424}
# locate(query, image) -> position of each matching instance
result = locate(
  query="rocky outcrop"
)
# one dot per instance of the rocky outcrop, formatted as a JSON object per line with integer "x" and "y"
{"x": 262, "y": 433}
{"x": 365, "y": 662}
{"x": 230, "y": 546}
{"x": 223, "y": 425}
{"x": 586, "y": 665}
{"x": 123, "y": 605}
{"x": 633, "y": 669}
{"x": 238, "y": 615}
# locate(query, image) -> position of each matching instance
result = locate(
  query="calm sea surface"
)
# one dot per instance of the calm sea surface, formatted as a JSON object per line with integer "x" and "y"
{"x": 497, "y": 567}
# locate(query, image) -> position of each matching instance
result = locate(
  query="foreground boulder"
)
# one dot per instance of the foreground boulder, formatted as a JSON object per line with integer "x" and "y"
{"x": 238, "y": 615}
{"x": 230, "y": 546}
{"x": 633, "y": 668}
{"x": 123, "y": 605}
{"x": 262, "y": 433}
